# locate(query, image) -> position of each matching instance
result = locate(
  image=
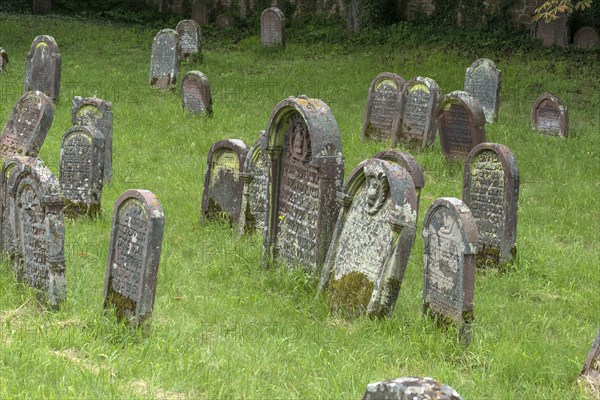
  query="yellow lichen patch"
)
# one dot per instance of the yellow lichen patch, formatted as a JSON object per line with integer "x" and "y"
{"x": 419, "y": 87}
{"x": 350, "y": 295}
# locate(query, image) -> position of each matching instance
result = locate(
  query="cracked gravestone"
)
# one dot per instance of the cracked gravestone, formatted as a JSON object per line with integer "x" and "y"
{"x": 410, "y": 388}
{"x": 272, "y": 27}
{"x": 254, "y": 196}
{"x": 3, "y": 60}
{"x": 196, "y": 95}
{"x": 482, "y": 81}
{"x": 419, "y": 99}
{"x": 164, "y": 61}
{"x": 42, "y": 67}
{"x": 190, "y": 37}
{"x": 383, "y": 112}
{"x": 550, "y": 116}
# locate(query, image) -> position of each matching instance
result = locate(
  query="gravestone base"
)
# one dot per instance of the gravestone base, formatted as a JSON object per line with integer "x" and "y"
{"x": 489, "y": 257}
{"x": 350, "y": 295}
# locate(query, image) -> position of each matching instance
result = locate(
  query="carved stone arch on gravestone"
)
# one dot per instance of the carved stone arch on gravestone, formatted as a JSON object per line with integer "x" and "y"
{"x": 164, "y": 60}
{"x": 196, "y": 94}
{"x": 254, "y": 196}
{"x": 190, "y": 37}
{"x": 420, "y": 96}
{"x": 483, "y": 81}
{"x": 43, "y": 67}
{"x": 550, "y": 116}
{"x": 272, "y": 27}
{"x": 384, "y": 106}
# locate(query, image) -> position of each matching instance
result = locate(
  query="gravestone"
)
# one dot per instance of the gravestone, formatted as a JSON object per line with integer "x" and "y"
{"x": 410, "y": 388}
{"x": 133, "y": 256}
{"x": 164, "y": 62}
{"x": 373, "y": 238}
{"x": 482, "y": 81}
{"x": 42, "y": 6}
{"x": 591, "y": 369}
{"x": 222, "y": 184}
{"x": 254, "y": 196}
{"x": 190, "y": 37}
{"x": 587, "y": 38}
{"x": 42, "y": 68}
{"x": 222, "y": 21}
{"x": 491, "y": 191}
{"x": 196, "y": 95}
{"x": 383, "y": 112}
{"x": 450, "y": 236}
{"x": 552, "y": 33}
{"x": 3, "y": 60}
{"x": 200, "y": 13}
{"x": 306, "y": 170}
{"x": 272, "y": 27}
{"x": 91, "y": 111}
{"x": 419, "y": 99}
{"x": 81, "y": 170}
{"x": 550, "y": 116}
{"x": 461, "y": 124}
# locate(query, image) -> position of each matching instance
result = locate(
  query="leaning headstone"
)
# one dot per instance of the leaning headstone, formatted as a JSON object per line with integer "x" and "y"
{"x": 482, "y": 81}
{"x": 410, "y": 388}
{"x": 164, "y": 62}
{"x": 587, "y": 38}
{"x": 3, "y": 60}
{"x": 419, "y": 99}
{"x": 590, "y": 375}
{"x": 373, "y": 238}
{"x": 306, "y": 173}
{"x": 196, "y": 95}
{"x": 550, "y": 116}
{"x": 254, "y": 196}
{"x": 42, "y": 68}
{"x": 383, "y": 113}
{"x": 461, "y": 124}
{"x": 555, "y": 32}
{"x": 272, "y": 27}
{"x": 133, "y": 256}
{"x": 190, "y": 37}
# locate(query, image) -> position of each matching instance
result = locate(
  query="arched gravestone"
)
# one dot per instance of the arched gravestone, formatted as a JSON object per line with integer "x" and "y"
{"x": 552, "y": 33}
{"x": 133, "y": 256}
{"x": 222, "y": 184}
{"x": 190, "y": 37}
{"x": 410, "y": 388}
{"x": 272, "y": 27}
{"x": 42, "y": 68}
{"x": 164, "y": 62}
{"x": 373, "y": 238}
{"x": 587, "y": 38}
{"x": 306, "y": 173}
{"x": 461, "y": 124}
{"x": 222, "y": 21}
{"x": 419, "y": 99}
{"x": 254, "y": 196}
{"x": 550, "y": 116}
{"x": 482, "y": 81}
{"x": 491, "y": 191}
{"x": 3, "y": 60}
{"x": 383, "y": 112}
{"x": 196, "y": 95}
{"x": 591, "y": 369}
{"x": 200, "y": 13}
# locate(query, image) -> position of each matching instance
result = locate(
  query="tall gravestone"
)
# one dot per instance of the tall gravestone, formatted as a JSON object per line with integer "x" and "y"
{"x": 482, "y": 81}
{"x": 254, "y": 195}
{"x": 3, "y": 60}
{"x": 272, "y": 27}
{"x": 383, "y": 112}
{"x": 306, "y": 170}
{"x": 164, "y": 62}
{"x": 410, "y": 388}
{"x": 587, "y": 38}
{"x": 550, "y": 116}
{"x": 419, "y": 99}
{"x": 190, "y": 38}
{"x": 373, "y": 238}
{"x": 133, "y": 256}
{"x": 590, "y": 373}
{"x": 42, "y": 68}
{"x": 196, "y": 95}
{"x": 552, "y": 33}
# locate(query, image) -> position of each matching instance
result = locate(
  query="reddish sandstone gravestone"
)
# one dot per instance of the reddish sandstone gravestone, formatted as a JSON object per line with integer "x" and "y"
{"x": 550, "y": 116}
{"x": 587, "y": 38}
{"x": 164, "y": 61}
{"x": 383, "y": 112}
{"x": 200, "y": 13}
{"x": 552, "y": 33}
{"x": 43, "y": 67}
{"x": 420, "y": 96}
{"x": 590, "y": 374}
{"x": 254, "y": 196}
{"x": 272, "y": 27}
{"x": 410, "y": 388}
{"x": 196, "y": 94}
{"x": 482, "y": 81}
{"x": 190, "y": 37}
{"x": 3, "y": 60}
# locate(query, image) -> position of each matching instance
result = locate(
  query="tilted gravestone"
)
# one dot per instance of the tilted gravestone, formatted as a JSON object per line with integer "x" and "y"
{"x": 383, "y": 112}
{"x": 550, "y": 116}
{"x": 482, "y": 81}
{"x": 587, "y": 38}
{"x": 133, "y": 256}
{"x": 552, "y": 33}
{"x": 6, "y": 205}
{"x": 196, "y": 95}
{"x": 272, "y": 27}
{"x": 3, "y": 60}
{"x": 419, "y": 99}
{"x": 461, "y": 124}
{"x": 410, "y": 388}
{"x": 222, "y": 184}
{"x": 373, "y": 238}
{"x": 491, "y": 191}
{"x": 254, "y": 195}
{"x": 190, "y": 37}
{"x": 42, "y": 68}
{"x": 164, "y": 62}
{"x": 591, "y": 369}
{"x": 306, "y": 170}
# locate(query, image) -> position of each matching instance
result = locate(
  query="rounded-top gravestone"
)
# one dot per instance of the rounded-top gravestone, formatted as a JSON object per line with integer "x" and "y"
{"x": 190, "y": 37}
{"x": 482, "y": 81}
{"x": 42, "y": 67}
{"x": 164, "y": 61}
{"x": 272, "y": 27}
{"x": 419, "y": 99}
{"x": 550, "y": 116}
{"x": 383, "y": 111}
{"x": 196, "y": 94}
{"x": 587, "y": 38}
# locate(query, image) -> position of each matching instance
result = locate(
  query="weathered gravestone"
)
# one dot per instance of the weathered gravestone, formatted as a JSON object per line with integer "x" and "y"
{"x": 461, "y": 124}
{"x": 222, "y": 184}
{"x": 587, "y": 38}
{"x": 410, "y": 388}
{"x": 550, "y": 116}
{"x": 222, "y": 21}
{"x": 81, "y": 170}
{"x": 133, "y": 256}
{"x": 272, "y": 27}
{"x": 305, "y": 174}
{"x": 196, "y": 95}
{"x": 373, "y": 238}
{"x": 254, "y": 196}
{"x": 491, "y": 191}
{"x": 482, "y": 81}
{"x": 419, "y": 99}
{"x": 200, "y": 13}
{"x": 555, "y": 32}
{"x": 383, "y": 112}
{"x": 6, "y": 205}
{"x": 190, "y": 37}
{"x": 42, "y": 68}
{"x": 42, "y": 6}
{"x": 91, "y": 111}
{"x": 450, "y": 236}
{"x": 590, "y": 374}
{"x": 3, "y": 60}
{"x": 164, "y": 62}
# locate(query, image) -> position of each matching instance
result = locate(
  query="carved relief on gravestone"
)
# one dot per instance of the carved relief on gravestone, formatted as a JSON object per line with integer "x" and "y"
{"x": 550, "y": 116}
{"x": 555, "y": 32}
{"x": 383, "y": 112}
{"x": 418, "y": 125}
{"x": 164, "y": 62}
{"x": 373, "y": 238}
{"x": 482, "y": 81}
{"x": 410, "y": 388}
{"x": 587, "y": 38}
{"x": 196, "y": 95}
{"x": 42, "y": 68}
{"x": 3, "y": 60}
{"x": 306, "y": 173}
{"x": 133, "y": 256}
{"x": 590, "y": 375}
{"x": 461, "y": 124}
{"x": 254, "y": 197}
{"x": 190, "y": 37}
{"x": 222, "y": 184}
{"x": 272, "y": 27}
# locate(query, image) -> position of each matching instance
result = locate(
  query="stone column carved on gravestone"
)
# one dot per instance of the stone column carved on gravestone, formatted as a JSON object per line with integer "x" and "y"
{"x": 550, "y": 116}
{"x": 254, "y": 196}
{"x": 420, "y": 96}
{"x": 43, "y": 67}
{"x": 272, "y": 27}
{"x": 410, "y": 388}
{"x": 384, "y": 106}
{"x": 196, "y": 94}
{"x": 3, "y": 60}
{"x": 482, "y": 81}
{"x": 190, "y": 37}
{"x": 164, "y": 61}
{"x": 587, "y": 38}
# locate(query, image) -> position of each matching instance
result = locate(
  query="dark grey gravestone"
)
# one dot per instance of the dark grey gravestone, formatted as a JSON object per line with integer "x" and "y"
{"x": 587, "y": 38}
{"x": 383, "y": 112}
{"x": 450, "y": 236}
{"x": 272, "y": 27}
{"x": 461, "y": 124}
{"x": 372, "y": 241}
{"x": 482, "y": 81}
{"x": 550, "y": 116}
{"x": 590, "y": 375}
{"x": 133, "y": 256}
{"x": 200, "y": 13}
{"x": 42, "y": 6}
{"x": 42, "y": 68}
{"x": 410, "y": 388}
{"x": 254, "y": 196}
{"x": 419, "y": 99}
{"x": 164, "y": 62}
{"x": 190, "y": 37}
{"x": 306, "y": 173}
{"x": 196, "y": 95}
{"x": 3, "y": 60}
{"x": 552, "y": 33}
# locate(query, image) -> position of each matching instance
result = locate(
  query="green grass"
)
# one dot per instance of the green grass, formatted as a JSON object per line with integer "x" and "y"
{"x": 225, "y": 328}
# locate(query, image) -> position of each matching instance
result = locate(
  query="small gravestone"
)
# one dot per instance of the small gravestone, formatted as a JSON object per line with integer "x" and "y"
{"x": 254, "y": 197}
{"x": 410, "y": 388}
{"x": 372, "y": 241}
{"x": 482, "y": 81}
{"x": 133, "y": 256}
{"x": 42, "y": 68}
{"x": 3, "y": 60}
{"x": 164, "y": 62}
{"x": 91, "y": 111}
{"x": 42, "y": 6}
{"x": 382, "y": 115}
{"x": 450, "y": 236}
{"x": 222, "y": 21}
{"x": 550, "y": 116}
{"x": 222, "y": 184}
{"x": 272, "y": 27}
{"x": 461, "y": 124}
{"x": 306, "y": 170}
{"x": 420, "y": 97}
{"x": 555, "y": 32}
{"x": 590, "y": 375}
{"x": 491, "y": 191}
{"x": 196, "y": 95}
{"x": 587, "y": 38}
{"x": 200, "y": 13}
{"x": 190, "y": 37}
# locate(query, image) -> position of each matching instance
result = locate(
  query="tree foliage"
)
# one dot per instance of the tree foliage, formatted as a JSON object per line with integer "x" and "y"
{"x": 550, "y": 10}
